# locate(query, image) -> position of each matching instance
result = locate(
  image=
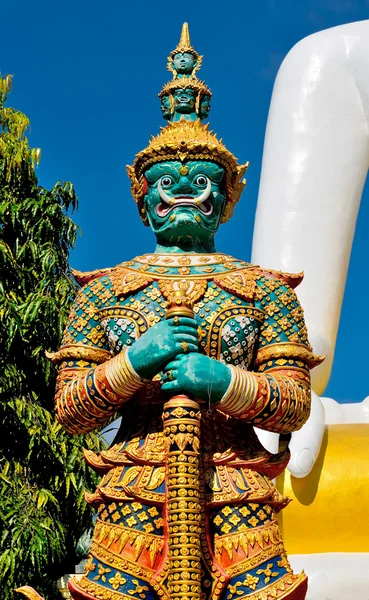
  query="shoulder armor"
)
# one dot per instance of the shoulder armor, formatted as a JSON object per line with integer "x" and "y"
{"x": 123, "y": 279}
{"x": 241, "y": 283}
{"x": 292, "y": 279}
{"x": 85, "y": 277}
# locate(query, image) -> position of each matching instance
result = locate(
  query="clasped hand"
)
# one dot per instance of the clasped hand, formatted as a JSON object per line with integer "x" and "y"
{"x": 162, "y": 343}
{"x": 172, "y": 346}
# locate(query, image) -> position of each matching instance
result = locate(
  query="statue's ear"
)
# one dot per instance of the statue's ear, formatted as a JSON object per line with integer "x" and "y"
{"x": 145, "y": 186}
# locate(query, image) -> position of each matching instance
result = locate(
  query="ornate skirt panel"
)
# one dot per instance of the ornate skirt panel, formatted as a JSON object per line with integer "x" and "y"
{"x": 224, "y": 440}
{"x": 224, "y": 484}
{"x": 129, "y": 556}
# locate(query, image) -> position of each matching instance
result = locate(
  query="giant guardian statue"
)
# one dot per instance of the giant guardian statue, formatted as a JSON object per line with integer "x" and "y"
{"x": 193, "y": 348}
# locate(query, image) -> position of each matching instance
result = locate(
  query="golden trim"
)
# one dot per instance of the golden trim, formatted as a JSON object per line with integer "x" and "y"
{"x": 85, "y": 277}
{"x": 265, "y": 536}
{"x": 119, "y": 562}
{"x": 125, "y": 282}
{"x": 155, "y": 258}
{"x": 192, "y": 82}
{"x": 120, "y": 311}
{"x": 270, "y": 592}
{"x": 102, "y": 526}
{"x": 281, "y": 369}
{"x": 288, "y": 350}
{"x": 125, "y": 565}
{"x": 138, "y": 490}
{"x": 138, "y": 319}
{"x": 257, "y": 559}
{"x": 207, "y": 276}
{"x": 79, "y": 351}
{"x": 98, "y": 591}
{"x": 114, "y": 533}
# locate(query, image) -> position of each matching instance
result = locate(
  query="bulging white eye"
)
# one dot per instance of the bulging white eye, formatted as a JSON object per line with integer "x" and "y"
{"x": 166, "y": 181}
{"x": 201, "y": 180}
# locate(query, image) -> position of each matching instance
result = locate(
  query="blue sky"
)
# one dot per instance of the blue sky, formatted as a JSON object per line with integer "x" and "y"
{"x": 87, "y": 74}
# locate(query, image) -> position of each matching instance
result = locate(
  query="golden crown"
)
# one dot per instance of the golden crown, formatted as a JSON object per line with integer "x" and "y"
{"x": 183, "y": 141}
{"x": 186, "y": 82}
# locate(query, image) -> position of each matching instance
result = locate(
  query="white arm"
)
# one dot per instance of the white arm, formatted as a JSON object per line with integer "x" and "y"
{"x": 316, "y": 157}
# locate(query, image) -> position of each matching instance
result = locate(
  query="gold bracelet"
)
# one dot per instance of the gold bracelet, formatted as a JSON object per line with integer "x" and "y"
{"x": 127, "y": 378}
{"x": 121, "y": 376}
{"x": 241, "y": 393}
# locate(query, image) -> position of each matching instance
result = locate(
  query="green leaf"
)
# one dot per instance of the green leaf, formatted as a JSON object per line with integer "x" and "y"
{"x": 42, "y": 473}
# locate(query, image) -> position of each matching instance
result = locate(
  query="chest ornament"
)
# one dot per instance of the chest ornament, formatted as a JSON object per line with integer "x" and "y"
{"x": 194, "y": 289}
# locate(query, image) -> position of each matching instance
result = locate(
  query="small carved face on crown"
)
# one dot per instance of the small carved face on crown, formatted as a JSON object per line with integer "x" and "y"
{"x": 184, "y": 100}
{"x": 184, "y": 200}
{"x": 165, "y": 106}
{"x": 204, "y": 106}
{"x": 184, "y": 63}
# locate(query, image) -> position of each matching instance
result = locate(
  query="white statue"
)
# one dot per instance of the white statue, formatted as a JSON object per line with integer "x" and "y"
{"x": 316, "y": 157}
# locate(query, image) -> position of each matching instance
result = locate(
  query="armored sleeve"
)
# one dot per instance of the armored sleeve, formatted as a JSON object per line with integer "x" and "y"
{"x": 275, "y": 394}
{"x": 91, "y": 383}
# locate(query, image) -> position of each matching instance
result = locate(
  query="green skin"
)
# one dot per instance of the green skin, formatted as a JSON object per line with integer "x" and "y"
{"x": 204, "y": 107}
{"x": 184, "y": 228}
{"x": 184, "y": 106}
{"x": 184, "y": 63}
{"x": 165, "y": 107}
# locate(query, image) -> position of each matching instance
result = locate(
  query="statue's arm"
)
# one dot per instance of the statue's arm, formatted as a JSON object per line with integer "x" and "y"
{"x": 91, "y": 384}
{"x": 275, "y": 395}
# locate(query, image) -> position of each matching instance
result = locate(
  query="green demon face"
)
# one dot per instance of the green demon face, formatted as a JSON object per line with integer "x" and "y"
{"x": 184, "y": 100}
{"x": 185, "y": 201}
{"x": 184, "y": 62}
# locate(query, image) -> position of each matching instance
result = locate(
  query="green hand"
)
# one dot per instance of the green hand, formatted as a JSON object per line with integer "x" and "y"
{"x": 162, "y": 343}
{"x": 197, "y": 375}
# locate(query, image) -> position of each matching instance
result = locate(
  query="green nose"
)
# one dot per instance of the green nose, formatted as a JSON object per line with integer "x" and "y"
{"x": 184, "y": 187}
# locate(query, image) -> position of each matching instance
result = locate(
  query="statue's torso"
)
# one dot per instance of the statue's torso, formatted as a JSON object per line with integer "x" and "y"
{"x": 229, "y": 301}
{"x": 247, "y": 317}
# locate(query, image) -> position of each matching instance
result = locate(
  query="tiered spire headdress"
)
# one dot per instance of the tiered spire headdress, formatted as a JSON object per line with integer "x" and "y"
{"x": 182, "y": 47}
{"x": 185, "y": 103}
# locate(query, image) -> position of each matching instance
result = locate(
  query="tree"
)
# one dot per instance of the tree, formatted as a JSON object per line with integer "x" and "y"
{"x": 42, "y": 472}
